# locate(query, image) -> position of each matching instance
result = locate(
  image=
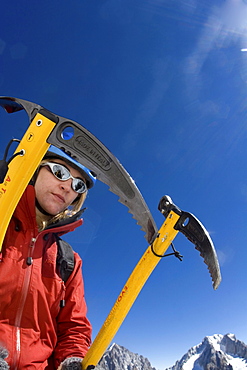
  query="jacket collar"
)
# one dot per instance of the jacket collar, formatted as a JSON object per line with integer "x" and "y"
{"x": 25, "y": 213}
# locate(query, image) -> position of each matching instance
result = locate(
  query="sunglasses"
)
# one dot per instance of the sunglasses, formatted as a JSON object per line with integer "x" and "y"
{"x": 62, "y": 173}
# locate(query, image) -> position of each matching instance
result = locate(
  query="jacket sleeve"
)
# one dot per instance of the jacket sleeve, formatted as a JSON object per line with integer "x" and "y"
{"x": 73, "y": 328}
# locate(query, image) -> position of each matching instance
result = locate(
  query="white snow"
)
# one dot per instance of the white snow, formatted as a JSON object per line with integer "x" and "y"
{"x": 232, "y": 336}
{"x": 215, "y": 340}
{"x": 190, "y": 363}
{"x": 111, "y": 346}
{"x": 237, "y": 362}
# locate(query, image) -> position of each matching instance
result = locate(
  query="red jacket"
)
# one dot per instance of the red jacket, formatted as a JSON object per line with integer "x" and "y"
{"x": 36, "y": 331}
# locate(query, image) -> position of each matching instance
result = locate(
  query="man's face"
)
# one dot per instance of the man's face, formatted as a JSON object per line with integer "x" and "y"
{"x": 54, "y": 195}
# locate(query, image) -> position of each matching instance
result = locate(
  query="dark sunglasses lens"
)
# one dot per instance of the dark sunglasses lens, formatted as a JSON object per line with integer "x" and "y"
{"x": 60, "y": 172}
{"x": 78, "y": 185}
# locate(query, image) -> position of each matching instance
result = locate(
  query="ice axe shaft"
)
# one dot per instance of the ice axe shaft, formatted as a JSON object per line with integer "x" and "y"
{"x": 130, "y": 291}
{"x": 31, "y": 149}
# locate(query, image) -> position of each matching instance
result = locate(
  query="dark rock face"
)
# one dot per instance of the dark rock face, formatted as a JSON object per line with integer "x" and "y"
{"x": 119, "y": 358}
{"x": 233, "y": 346}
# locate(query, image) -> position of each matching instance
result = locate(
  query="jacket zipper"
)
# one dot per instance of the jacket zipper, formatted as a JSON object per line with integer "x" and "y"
{"x": 20, "y": 309}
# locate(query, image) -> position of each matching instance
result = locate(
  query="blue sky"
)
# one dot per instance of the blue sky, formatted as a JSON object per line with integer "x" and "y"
{"x": 164, "y": 86}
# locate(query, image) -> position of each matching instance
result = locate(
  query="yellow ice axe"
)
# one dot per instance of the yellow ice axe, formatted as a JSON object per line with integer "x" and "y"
{"x": 48, "y": 128}
{"x": 130, "y": 291}
{"x": 176, "y": 220}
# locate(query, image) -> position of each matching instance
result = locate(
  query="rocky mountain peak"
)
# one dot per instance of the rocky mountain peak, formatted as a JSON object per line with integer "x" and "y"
{"x": 119, "y": 358}
{"x": 215, "y": 352}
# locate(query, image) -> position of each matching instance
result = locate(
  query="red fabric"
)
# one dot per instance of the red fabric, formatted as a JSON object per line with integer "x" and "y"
{"x": 36, "y": 331}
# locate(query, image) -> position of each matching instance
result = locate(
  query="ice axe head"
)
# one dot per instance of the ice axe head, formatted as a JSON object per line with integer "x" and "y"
{"x": 195, "y": 232}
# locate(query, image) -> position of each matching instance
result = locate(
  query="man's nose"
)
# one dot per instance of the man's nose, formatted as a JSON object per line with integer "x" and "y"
{"x": 66, "y": 185}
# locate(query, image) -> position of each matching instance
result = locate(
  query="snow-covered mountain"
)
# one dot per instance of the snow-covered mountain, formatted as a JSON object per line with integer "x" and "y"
{"x": 119, "y": 358}
{"x": 216, "y": 352}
